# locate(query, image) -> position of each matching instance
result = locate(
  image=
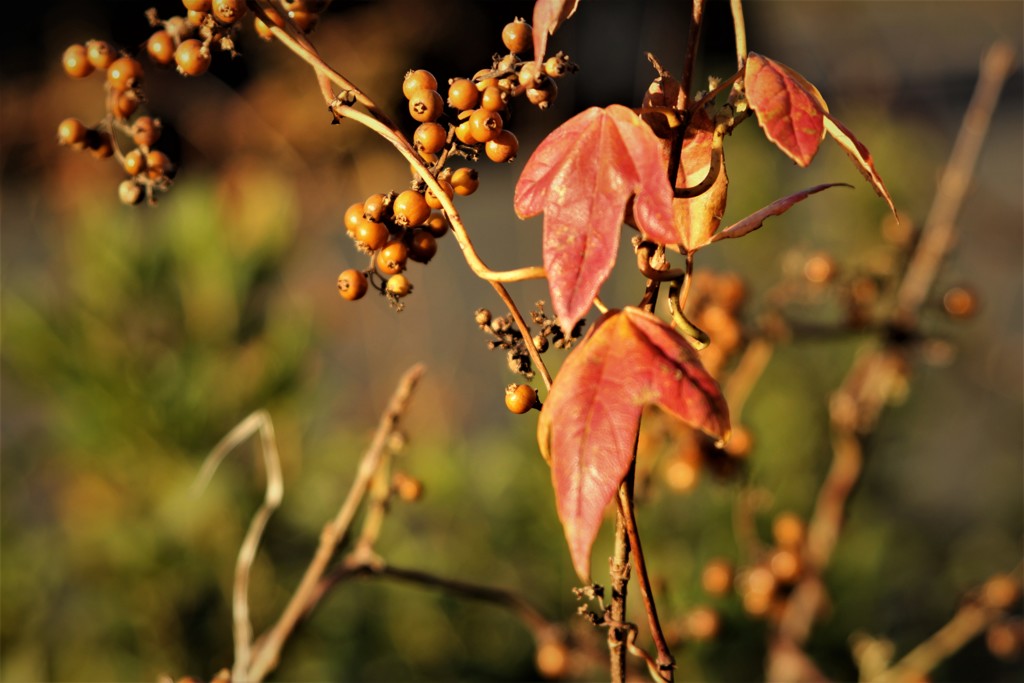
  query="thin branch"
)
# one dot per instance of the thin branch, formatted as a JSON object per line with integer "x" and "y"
{"x": 740, "y": 28}
{"x": 665, "y": 661}
{"x": 266, "y": 655}
{"x": 619, "y": 573}
{"x": 258, "y": 421}
{"x": 305, "y": 50}
{"x": 538, "y": 624}
{"x": 939, "y": 226}
{"x": 971, "y": 619}
{"x": 692, "y": 41}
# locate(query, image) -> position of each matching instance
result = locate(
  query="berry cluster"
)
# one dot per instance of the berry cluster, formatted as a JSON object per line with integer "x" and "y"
{"x": 396, "y": 227}
{"x": 393, "y": 229}
{"x": 504, "y": 334}
{"x": 185, "y": 42}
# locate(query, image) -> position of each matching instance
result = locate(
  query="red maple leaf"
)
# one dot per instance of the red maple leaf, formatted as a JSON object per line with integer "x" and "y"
{"x": 590, "y": 419}
{"x": 581, "y": 176}
{"x": 794, "y": 116}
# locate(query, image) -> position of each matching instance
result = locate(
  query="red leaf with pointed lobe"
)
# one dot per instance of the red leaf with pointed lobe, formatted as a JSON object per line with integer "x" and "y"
{"x": 590, "y": 419}
{"x": 548, "y": 15}
{"x": 795, "y": 117}
{"x": 778, "y": 207}
{"x": 791, "y": 116}
{"x": 581, "y": 176}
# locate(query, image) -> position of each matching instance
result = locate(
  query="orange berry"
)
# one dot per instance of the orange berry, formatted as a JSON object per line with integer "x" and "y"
{"x": 392, "y": 257}
{"x": 100, "y": 53}
{"x": 520, "y": 398}
{"x": 228, "y": 11}
{"x": 160, "y": 47}
{"x": 146, "y": 131}
{"x": 517, "y": 36}
{"x": 420, "y": 79}
{"x": 195, "y": 18}
{"x": 463, "y": 94}
{"x": 542, "y": 93}
{"x": 493, "y": 98}
{"x": 717, "y": 577}
{"x": 703, "y": 623}
{"x": 123, "y": 104}
{"x": 436, "y": 225}
{"x": 370, "y": 236}
{"x": 130, "y": 192}
{"x": 123, "y": 73}
{"x": 352, "y": 284}
{"x": 134, "y": 162}
{"x": 398, "y": 285}
{"x": 410, "y": 209}
{"x": 192, "y": 57}
{"x": 485, "y": 125}
{"x": 375, "y": 207}
{"x": 422, "y": 245}
{"x": 430, "y": 138}
{"x": 72, "y": 133}
{"x": 960, "y": 302}
{"x": 262, "y": 30}
{"x": 464, "y": 133}
{"x": 465, "y": 181}
{"x": 353, "y": 214}
{"x": 425, "y": 105}
{"x": 502, "y": 148}
{"x": 75, "y": 61}
{"x": 158, "y": 165}
{"x": 789, "y": 530}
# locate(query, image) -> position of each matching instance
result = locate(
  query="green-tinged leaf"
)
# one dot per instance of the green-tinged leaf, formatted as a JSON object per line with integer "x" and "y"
{"x": 860, "y": 156}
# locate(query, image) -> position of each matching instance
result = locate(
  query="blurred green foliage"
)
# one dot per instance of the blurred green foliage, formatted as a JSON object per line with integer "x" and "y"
{"x": 134, "y": 339}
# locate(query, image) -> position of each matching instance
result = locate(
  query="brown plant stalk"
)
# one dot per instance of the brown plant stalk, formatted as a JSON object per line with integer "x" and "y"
{"x": 267, "y": 649}
{"x": 857, "y": 404}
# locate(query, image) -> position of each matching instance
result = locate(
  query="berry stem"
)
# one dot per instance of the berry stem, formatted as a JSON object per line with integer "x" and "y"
{"x": 383, "y": 126}
{"x": 696, "y": 20}
{"x": 307, "y": 52}
{"x": 741, "y": 32}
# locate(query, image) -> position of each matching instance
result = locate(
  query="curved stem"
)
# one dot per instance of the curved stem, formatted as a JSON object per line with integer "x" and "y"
{"x": 713, "y": 170}
{"x": 308, "y": 53}
{"x": 478, "y": 267}
{"x": 698, "y": 337}
{"x": 643, "y": 264}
